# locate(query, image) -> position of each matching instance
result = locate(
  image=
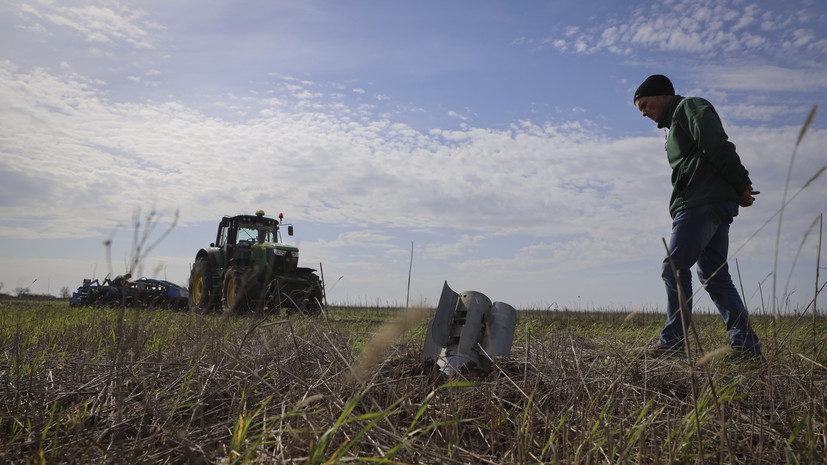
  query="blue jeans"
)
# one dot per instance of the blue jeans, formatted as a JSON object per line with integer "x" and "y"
{"x": 701, "y": 236}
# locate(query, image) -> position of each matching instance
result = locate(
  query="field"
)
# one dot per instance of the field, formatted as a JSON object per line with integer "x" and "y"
{"x": 154, "y": 386}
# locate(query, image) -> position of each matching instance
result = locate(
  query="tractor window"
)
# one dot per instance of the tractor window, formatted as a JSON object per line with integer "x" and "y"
{"x": 222, "y": 237}
{"x": 256, "y": 233}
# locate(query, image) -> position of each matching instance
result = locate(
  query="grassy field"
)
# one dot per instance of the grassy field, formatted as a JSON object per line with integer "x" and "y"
{"x": 154, "y": 386}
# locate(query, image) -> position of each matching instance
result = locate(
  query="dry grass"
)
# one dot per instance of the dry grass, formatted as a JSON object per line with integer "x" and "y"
{"x": 153, "y": 386}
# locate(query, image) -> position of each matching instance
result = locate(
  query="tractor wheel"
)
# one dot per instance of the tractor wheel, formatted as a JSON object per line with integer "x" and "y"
{"x": 201, "y": 298}
{"x": 312, "y": 305}
{"x": 239, "y": 290}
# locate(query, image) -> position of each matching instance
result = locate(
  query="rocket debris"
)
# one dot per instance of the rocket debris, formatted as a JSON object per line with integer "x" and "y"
{"x": 469, "y": 330}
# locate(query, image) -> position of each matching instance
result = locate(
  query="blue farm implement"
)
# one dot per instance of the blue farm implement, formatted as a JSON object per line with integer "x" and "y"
{"x": 120, "y": 292}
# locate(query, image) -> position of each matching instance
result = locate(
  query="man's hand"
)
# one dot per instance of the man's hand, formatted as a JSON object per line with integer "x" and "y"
{"x": 747, "y": 198}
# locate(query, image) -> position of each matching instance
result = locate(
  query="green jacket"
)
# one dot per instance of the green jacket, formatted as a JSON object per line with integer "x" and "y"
{"x": 705, "y": 167}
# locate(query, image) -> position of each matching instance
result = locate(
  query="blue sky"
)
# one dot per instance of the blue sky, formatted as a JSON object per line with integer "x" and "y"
{"x": 498, "y": 138}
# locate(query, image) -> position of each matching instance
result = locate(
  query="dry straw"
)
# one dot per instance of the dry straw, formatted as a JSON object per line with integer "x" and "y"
{"x": 387, "y": 335}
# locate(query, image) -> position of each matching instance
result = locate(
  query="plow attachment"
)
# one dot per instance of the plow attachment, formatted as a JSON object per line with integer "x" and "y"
{"x": 120, "y": 292}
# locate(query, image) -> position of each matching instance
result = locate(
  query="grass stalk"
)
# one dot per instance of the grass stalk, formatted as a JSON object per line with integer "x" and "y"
{"x": 686, "y": 321}
{"x": 801, "y": 134}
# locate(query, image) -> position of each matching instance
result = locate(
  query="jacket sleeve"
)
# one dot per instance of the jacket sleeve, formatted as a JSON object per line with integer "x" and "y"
{"x": 701, "y": 121}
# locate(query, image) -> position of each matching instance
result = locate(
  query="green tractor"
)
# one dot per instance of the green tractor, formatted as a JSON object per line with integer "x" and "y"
{"x": 249, "y": 269}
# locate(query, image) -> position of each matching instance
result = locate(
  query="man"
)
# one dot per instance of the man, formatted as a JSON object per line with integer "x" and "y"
{"x": 708, "y": 184}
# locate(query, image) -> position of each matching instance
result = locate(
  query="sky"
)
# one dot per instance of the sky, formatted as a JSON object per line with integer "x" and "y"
{"x": 493, "y": 145}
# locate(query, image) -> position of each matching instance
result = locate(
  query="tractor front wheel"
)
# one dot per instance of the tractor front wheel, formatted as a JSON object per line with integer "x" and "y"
{"x": 201, "y": 298}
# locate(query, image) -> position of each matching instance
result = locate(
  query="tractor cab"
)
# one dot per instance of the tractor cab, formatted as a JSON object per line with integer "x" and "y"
{"x": 237, "y": 234}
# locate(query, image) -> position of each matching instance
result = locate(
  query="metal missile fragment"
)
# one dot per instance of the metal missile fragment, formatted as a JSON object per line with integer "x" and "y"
{"x": 469, "y": 330}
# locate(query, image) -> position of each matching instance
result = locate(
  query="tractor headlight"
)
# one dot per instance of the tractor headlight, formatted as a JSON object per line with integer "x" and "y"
{"x": 280, "y": 252}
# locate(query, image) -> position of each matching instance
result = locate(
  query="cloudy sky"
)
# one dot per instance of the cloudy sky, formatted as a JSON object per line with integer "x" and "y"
{"x": 496, "y": 139}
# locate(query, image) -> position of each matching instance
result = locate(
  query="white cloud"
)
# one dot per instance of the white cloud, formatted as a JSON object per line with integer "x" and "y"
{"x": 764, "y": 78}
{"x": 464, "y": 246}
{"x": 385, "y": 173}
{"x": 561, "y": 45}
{"x": 802, "y": 37}
{"x": 762, "y": 113}
{"x": 90, "y": 152}
{"x": 454, "y": 114}
{"x": 609, "y": 37}
{"x": 745, "y": 19}
{"x": 690, "y": 26}
{"x": 100, "y": 24}
{"x": 360, "y": 239}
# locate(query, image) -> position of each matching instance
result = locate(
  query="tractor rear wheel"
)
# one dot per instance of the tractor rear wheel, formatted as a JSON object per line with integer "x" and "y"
{"x": 313, "y": 302}
{"x": 239, "y": 290}
{"x": 201, "y": 298}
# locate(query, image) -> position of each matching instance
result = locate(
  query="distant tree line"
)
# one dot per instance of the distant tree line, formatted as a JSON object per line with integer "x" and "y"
{"x": 26, "y": 293}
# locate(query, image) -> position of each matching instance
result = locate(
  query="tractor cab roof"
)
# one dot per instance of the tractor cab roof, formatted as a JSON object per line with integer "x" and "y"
{"x": 258, "y": 219}
{"x": 252, "y": 219}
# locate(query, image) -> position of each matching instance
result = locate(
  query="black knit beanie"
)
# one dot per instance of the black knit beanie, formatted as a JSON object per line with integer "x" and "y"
{"x": 656, "y": 84}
